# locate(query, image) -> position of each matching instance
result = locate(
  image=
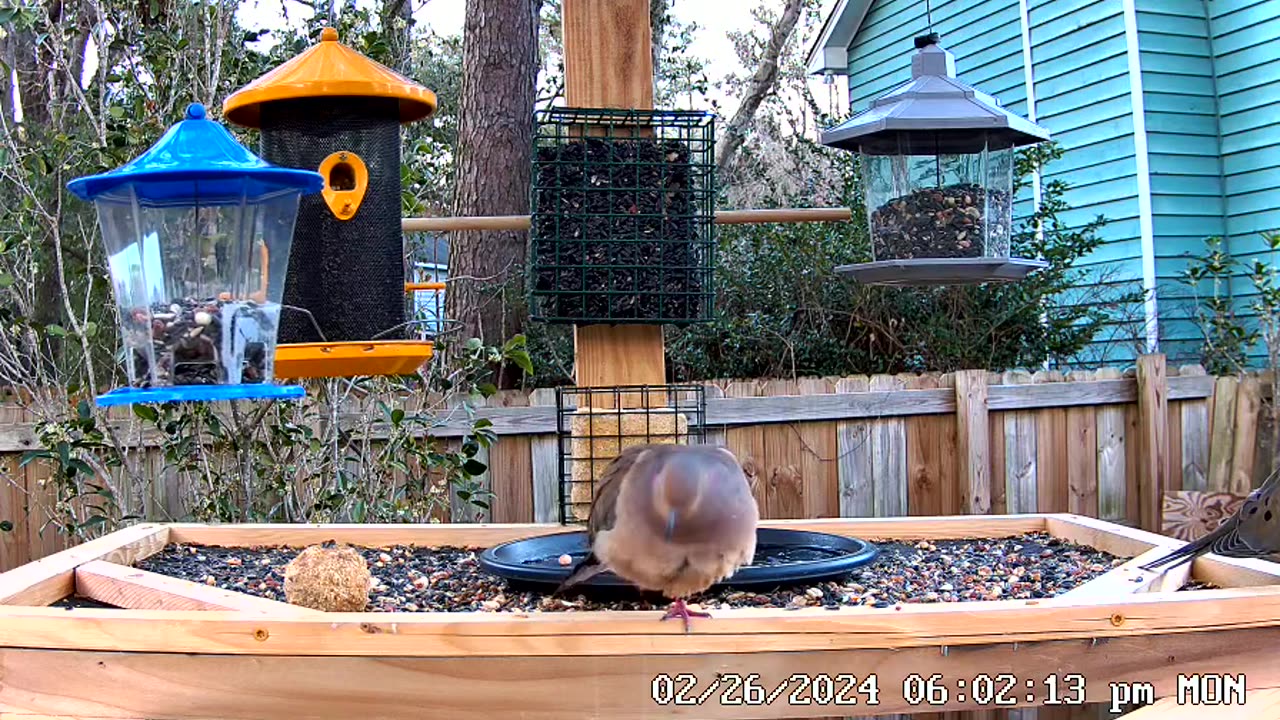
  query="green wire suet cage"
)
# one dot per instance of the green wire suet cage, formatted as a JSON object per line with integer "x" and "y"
{"x": 595, "y": 424}
{"x": 623, "y": 224}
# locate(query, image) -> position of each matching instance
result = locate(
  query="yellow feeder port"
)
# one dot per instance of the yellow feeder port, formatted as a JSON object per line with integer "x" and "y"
{"x": 337, "y": 112}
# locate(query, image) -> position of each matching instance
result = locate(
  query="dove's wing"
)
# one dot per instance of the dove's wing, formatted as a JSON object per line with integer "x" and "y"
{"x": 604, "y": 512}
{"x": 604, "y": 508}
{"x": 1258, "y": 524}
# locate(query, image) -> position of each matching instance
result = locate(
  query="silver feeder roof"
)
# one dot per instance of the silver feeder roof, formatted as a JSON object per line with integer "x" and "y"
{"x": 933, "y": 114}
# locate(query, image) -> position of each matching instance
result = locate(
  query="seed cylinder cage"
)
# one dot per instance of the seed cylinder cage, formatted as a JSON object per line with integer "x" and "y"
{"x": 937, "y": 162}
{"x": 335, "y": 111}
{"x": 594, "y": 425}
{"x": 623, "y": 224}
{"x": 198, "y": 233}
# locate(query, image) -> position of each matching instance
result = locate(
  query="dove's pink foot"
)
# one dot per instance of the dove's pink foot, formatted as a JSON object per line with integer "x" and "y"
{"x": 680, "y": 610}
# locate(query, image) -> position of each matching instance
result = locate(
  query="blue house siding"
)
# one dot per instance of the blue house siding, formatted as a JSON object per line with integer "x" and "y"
{"x": 1245, "y": 38}
{"x": 1187, "y": 202}
{"x": 1082, "y": 92}
{"x": 879, "y": 56}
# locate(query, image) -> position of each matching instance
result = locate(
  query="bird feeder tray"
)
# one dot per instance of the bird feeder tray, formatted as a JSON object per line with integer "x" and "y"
{"x": 782, "y": 557}
{"x": 198, "y": 232}
{"x": 351, "y": 359}
{"x": 941, "y": 271}
{"x": 622, "y": 221}
{"x": 937, "y": 162}
{"x": 338, "y": 112}
{"x": 199, "y": 393}
{"x": 130, "y": 643}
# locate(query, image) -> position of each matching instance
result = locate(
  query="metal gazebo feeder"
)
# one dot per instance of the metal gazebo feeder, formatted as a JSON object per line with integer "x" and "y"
{"x": 198, "y": 232}
{"x": 336, "y": 111}
{"x": 937, "y": 162}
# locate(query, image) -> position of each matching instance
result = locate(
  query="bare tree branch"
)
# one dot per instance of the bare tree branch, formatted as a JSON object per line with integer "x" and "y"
{"x": 762, "y": 83}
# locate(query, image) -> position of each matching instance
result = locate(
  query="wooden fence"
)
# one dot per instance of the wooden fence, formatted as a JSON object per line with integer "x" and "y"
{"x": 1085, "y": 442}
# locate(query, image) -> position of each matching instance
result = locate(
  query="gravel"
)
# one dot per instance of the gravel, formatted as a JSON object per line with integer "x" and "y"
{"x": 1033, "y": 565}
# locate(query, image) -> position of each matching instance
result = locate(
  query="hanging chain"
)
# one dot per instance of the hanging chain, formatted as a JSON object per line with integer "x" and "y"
{"x": 928, "y": 14}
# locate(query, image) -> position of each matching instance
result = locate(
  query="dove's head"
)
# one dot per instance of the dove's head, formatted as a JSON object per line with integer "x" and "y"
{"x": 697, "y": 489}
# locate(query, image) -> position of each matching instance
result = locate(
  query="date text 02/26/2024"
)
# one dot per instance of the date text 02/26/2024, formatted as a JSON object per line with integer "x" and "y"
{"x": 917, "y": 690}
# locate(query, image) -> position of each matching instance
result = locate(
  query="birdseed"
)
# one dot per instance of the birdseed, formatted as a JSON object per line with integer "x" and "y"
{"x": 947, "y": 222}
{"x": 192, "y": 345}
{"x": 449, "y": 579}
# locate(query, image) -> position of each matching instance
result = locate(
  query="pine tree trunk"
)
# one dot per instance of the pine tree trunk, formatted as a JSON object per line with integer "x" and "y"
{"x": 32, "y": 69}
{"x": 495, "y": 134}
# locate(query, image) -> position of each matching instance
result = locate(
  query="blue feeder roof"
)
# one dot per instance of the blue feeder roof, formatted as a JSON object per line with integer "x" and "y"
{"x": 197, "y": 160}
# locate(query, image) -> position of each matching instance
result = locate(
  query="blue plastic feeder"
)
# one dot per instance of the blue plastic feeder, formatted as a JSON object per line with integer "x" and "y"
{"x": 198, "y": 231}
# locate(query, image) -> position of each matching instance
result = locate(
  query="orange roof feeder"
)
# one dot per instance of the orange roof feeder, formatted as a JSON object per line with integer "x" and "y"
{"x": 337, "y": 112}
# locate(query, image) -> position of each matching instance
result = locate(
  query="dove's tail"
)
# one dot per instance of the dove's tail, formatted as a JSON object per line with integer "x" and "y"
{"x": 1224, "y": 541}
{"x": 1184, "y": 554}
{"x": 585, "y": 570}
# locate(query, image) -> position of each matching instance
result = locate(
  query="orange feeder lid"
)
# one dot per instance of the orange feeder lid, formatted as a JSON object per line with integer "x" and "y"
{"x": 328, "y": 69}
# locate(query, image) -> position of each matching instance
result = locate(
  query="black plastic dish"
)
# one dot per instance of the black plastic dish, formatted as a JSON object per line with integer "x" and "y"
{"x": 783, "y": 557}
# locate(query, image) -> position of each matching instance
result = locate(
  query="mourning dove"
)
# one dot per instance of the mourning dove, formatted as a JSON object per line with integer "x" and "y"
{"x": 1253, "y": 532}
{"x": 671, "y": 518}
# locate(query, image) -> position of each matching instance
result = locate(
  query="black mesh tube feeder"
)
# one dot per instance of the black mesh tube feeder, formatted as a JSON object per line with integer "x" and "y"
{"x": 937, "y": 161}
{"x": 335, "y": 111}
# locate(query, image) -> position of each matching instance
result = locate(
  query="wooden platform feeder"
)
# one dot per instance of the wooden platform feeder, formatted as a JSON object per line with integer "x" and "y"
{"x": 178, "y": 649}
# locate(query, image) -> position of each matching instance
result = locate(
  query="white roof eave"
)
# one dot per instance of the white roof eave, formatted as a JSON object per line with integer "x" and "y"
{"x": 830, "y": 54}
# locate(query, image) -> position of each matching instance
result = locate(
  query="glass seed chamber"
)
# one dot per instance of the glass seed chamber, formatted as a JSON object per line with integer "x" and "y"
{"x": 198, "y": 231}
{"x": 927, "y": 200}
{"x": 937, "y": 162}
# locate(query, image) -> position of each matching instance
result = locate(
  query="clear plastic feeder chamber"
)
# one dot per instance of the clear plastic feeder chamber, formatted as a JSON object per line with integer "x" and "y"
{"x": 927, "y": 200}
{"x": 198, "y": 231}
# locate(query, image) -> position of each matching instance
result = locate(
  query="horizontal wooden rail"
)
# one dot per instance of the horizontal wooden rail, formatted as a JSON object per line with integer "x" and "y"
{"x": 723, "y": 217}
{"x": 740, "y": 411}
{"x": 128, "y": 587}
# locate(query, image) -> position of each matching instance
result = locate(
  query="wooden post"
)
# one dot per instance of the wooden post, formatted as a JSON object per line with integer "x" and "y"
{"x": 1153, "y": 445}
{"x": 973, "y": 441}
{"x": 608, "y": 64}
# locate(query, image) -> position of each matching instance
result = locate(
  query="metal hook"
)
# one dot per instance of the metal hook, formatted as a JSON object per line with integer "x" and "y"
{"x": 945, "y": 650}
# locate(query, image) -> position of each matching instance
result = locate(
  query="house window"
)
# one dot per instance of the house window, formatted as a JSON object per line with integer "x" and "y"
{"x": 428, "y": 305}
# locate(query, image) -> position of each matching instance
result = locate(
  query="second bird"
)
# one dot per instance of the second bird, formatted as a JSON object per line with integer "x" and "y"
{"x": 1253, "y": 532}
{"x": 674, "y": 519}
